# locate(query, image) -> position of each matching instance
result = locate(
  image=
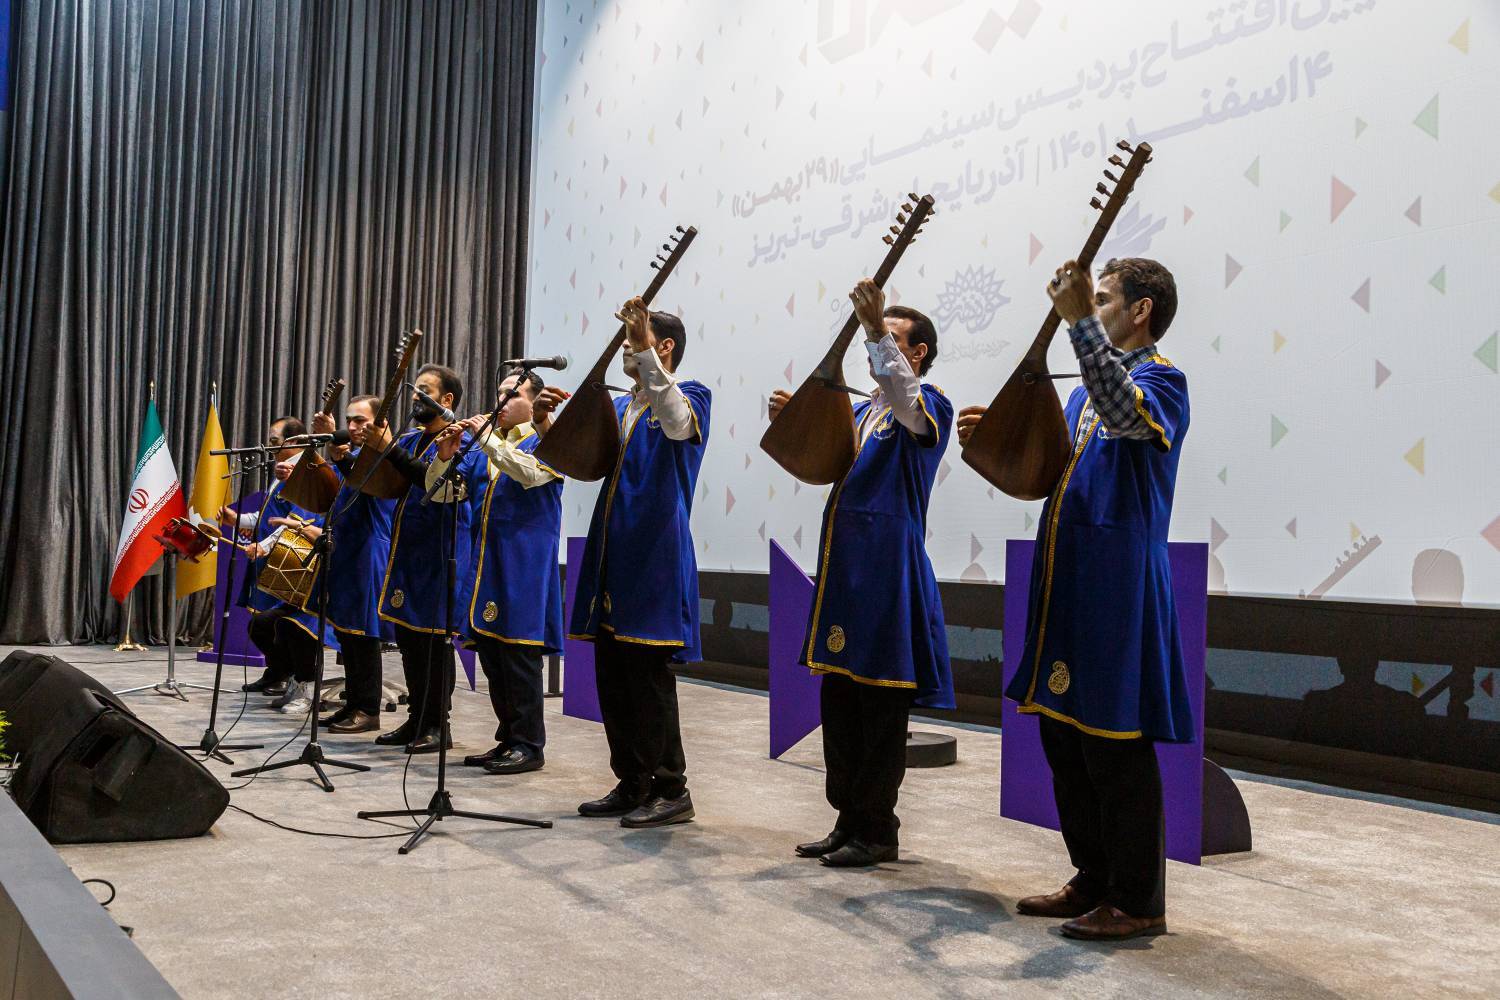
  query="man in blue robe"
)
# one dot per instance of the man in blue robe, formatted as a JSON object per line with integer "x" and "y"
{"x": 414, "y": 595}
{"x": 286, "y": 634}
{"x": 637, "y": 597}
{"x": 876, "y": 630}
{"x": 514, "y": 615}
{"x": 1103, "y": 666}
{"x": 356, "y": 568}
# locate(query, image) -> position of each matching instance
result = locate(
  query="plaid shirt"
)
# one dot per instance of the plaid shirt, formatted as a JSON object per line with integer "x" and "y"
{"x": 1106, "y": 375}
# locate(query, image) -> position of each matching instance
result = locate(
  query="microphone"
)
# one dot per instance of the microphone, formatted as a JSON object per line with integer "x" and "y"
{"x": 557, "y": 361}
{"x": 442, "y": 410}
{"x": 336, "y": 438}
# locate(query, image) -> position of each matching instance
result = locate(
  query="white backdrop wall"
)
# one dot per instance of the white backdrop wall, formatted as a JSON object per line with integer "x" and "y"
{"x": 1326, "y": 190}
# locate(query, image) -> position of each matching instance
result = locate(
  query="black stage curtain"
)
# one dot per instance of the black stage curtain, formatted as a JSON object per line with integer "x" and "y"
{"x": 258, "y": 195}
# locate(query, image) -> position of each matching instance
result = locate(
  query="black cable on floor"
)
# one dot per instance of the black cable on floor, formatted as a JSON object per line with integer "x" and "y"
{"x": 322, "y": 833}
{"x": 102, "y": 881}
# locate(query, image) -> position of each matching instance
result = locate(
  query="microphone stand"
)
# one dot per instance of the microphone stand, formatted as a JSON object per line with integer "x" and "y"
{"x": 440, "y": 806}
{"x": 312, "y": 752}
{"x": 211, "y": 744}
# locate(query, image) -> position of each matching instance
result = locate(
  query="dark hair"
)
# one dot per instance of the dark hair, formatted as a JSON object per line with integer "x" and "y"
{"x": 1143, "y": 278}
{"x": 665, "y": 326}
{"x": 530, "y": 379}
{"x": 374, "y": 401}
{"x": 447, "y": 378}
{"x": 922, "y": 332}
{"x": 290, "y": 427}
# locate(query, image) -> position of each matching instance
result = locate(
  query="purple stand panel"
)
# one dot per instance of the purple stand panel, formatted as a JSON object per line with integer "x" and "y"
{"x": 795, "y": 690}
{"x": 580, "y": 694}
{"x": 1025, "y": 778}
{"x": 238, "y": 649}
{"x": 465, "y": 657}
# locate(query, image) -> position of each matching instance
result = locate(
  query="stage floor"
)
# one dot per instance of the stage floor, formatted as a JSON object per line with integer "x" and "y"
{"x": 1342, "y": 896}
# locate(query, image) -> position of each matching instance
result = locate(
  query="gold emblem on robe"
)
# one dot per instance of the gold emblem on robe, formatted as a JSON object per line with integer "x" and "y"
{"x": 491, "y": 612}
{"x": 835, "y": 640}
{"x": 1060, "y": 679}
{"x": 397, "y": 599}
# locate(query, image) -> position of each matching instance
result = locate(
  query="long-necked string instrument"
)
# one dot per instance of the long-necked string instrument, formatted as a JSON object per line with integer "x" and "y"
{"x": 584, "y": 439}
{"x": 313, "y": 484}
{"x": 1021, "y": 444}
{"x": 813, "y": 436}
{"x": 385, "y": 481}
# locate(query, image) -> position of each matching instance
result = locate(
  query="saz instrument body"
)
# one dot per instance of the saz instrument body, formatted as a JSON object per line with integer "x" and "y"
{"x": 1021, "y": 444}
{"x": 385, "y": 482}
{"x": 813, "y": 435}
{"x": 313, "y": 484}
{"x": 584, "y": 439}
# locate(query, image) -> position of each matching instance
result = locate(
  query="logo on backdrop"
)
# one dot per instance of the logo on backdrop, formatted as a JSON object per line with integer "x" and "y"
{"x": 970, "y": 299}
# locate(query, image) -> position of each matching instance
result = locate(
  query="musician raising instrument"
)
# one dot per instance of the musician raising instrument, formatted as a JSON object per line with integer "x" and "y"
{"x": 876, "y": 631}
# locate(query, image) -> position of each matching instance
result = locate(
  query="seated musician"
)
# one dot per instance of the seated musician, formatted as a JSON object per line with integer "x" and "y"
{"x": 1103, "y": 664}
{"x": 637, "y": 596}
{"x": 285, "y": 634}
{"x": 514, "y": 616}
{"x": 876, "y": 632}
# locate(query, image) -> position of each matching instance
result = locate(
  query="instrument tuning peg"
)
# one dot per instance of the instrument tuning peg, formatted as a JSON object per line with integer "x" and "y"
{"x": 1102, "y": 189}
{"x": 913, "y": 196}
{"x": 681, "y": 230}
{"x": 895, "y": 231}
{"x": 906, "y": 207}
{"x": 1111, "y": 176}
{"x": 1122, "y": 144}
{"x": 1096, "y": 204}
{"x": 901, "y": 217}
{"x": 888, "y": 241}
{"x": 656, "y": 265}
{"x": 667, "y": 247}
{"x": 1115, "y": 159}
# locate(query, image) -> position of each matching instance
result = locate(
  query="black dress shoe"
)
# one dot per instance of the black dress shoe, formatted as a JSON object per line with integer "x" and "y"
{"x": 274, "y": 690}
{"x": 399, "y": 736}
{"x": 858, "y": 854}
{"x": 428, "y": 742}
{"x": 657, "y": 811}
{"x": 514, "y": 761}
{"x": 481, "y": 759}
{"x": 829, "y": 844}
{"x": 324, "y": 721}
{"x": 256, "y": 687}
{"x": 617, "y": 803}
{"x": 355, "y": 722}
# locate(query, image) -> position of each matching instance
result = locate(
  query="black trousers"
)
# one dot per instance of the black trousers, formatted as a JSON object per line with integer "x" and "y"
{"x": 514, "y": 673}
{"x": 1109, "y": 807}
{"x": 864, "y": 751}
{"x": 291, "y": 654}
{"x": 427, "y": 660}
{"x": 638, "y": 699}
{"x": 362, "y": 671}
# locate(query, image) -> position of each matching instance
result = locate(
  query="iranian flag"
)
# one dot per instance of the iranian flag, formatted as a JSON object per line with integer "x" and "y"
{"x": 155, "y": 498}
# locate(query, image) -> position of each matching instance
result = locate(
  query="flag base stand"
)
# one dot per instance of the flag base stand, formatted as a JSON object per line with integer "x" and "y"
{"x": 171, "y": 687}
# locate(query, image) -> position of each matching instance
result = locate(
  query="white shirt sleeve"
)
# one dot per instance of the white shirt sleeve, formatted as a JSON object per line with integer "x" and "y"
{"x": 506, "y": 458}
{"x": 900, "y": 387}
{"x": 435, "y": 470}
{"x": 671, "y": 407}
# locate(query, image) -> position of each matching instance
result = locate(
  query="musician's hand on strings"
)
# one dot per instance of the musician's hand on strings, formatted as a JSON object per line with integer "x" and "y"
{"x": 449, "y": 441}
{"x": 338, "y": 452}
{"x": 1072, "y": 292}
{"x": 968, "y": 419}
{"x": 545, "y": 405}
{"x": 283, "y": 470}
{"x": 637, "y": 320}
{"x": 869, "y": 308}
{"x": 322, "y": 423}
{"x": 777, "y": 402}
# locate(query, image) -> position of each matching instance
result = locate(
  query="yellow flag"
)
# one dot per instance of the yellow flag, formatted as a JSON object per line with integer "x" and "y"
{"x": 210, "y": 492}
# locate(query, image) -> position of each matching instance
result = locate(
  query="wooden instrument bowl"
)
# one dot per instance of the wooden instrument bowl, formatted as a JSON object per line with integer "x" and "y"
{"x": 387, "y": 483}
{"x": 584, "y": 440}
{"x": 313, "y": 484}
{"x": 813, "y": 435}
{"x": 1021, "y": 444}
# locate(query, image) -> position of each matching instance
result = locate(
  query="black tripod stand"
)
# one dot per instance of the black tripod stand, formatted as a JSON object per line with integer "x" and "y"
{"x": 440, "y": 806}
{"x": 312, "y": 752}
{"x": 211, "y": 744}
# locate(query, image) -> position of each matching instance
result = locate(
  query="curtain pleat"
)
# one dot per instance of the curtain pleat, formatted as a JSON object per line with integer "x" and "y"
{"x": 248, "y": 194}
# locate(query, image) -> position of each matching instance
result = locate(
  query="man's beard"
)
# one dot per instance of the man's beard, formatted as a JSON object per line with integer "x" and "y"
{"x": 421, "y": 413}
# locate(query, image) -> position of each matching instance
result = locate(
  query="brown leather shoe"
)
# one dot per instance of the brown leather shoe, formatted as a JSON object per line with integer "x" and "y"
{"x": 355, "y": 722}
{"x": 1064, "y": 903}
{"x": 1106, "y": 923}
